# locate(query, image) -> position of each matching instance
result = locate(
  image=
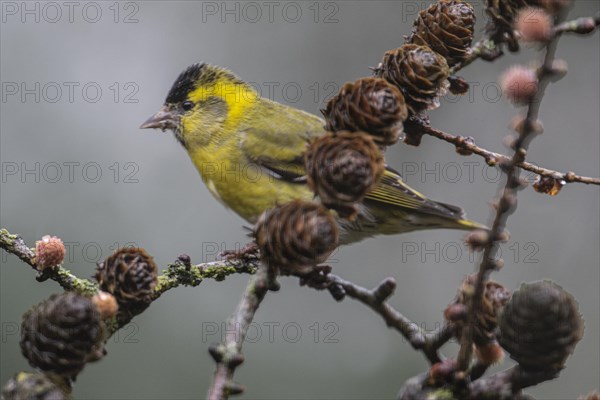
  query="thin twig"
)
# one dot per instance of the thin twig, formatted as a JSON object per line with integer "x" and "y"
{"x": 487, "y": 49}
{"x": 484, "y": 48}
{"x": 176, "y": 274}
{"x": 376, "y": 299}
{"x": 492, "y": 159}
{"x": 581, "y": 26}
{"x": 180, "y": 273}
{"x": 228, "y": 355}
{"x": 184, "y": 274}
{"x": 14, "y": 244}
{"x": 506, "y": 205}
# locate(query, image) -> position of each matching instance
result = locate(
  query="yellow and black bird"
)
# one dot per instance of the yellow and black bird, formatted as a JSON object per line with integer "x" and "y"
{"x": 249, "y": 151}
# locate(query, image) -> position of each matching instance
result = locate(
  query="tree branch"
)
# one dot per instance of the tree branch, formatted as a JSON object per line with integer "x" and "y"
{"x": 14, "y": 244}
{"x": 428, "y": 343}
{"x": 487, "y": 49}
{"x": 506, "y": 205}
{"x": 179, "y": 273}
{"x": 492, "y": 159}
{"x": 581, "y": 26}
{"x": 228, "y": 355}
{"x": 183, "y": 273}
{"x": 505, "y": 384}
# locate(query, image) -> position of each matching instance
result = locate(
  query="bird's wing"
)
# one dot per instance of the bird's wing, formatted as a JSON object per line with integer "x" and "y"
{"x": 277, "y": 140}
{"x": 392, "y": 191}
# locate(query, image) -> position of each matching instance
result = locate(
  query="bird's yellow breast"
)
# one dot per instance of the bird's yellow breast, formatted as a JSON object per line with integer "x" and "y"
{"x": 216, "y": 150}
{"x": 241, "y": 185}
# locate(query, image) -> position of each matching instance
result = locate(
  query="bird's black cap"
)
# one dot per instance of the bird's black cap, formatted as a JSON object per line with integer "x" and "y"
{"x": 185, "y": 83}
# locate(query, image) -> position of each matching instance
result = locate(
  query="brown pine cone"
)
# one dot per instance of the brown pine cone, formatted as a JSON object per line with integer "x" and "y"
{"x": 342, "y": 167}
{"x": 447, "y": 27}
{"x": 371, "y": 105}
{"x": 36, "y": 386}
{"x": 130, "y": 275}
{"x": 62, "y": 333}
{"x": 295, "y": 237}
{"x": 502, "y": 14}
{"x": 495, "y": 297}
{"x": 420, "y": 73}
{"x": 540, "y": 326}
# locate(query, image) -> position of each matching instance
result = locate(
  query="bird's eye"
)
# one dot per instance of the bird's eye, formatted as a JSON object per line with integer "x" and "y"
{"x": 187, "y": 105}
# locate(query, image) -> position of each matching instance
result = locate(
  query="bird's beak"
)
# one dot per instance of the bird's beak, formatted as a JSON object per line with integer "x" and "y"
{"x": 163, "y": 119}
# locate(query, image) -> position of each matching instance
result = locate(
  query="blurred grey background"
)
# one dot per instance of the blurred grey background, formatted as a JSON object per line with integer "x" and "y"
{"x": 77, "y": 81}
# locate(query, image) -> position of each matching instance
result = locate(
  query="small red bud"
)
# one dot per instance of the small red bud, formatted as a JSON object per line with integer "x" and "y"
{"x": 522, "y": 125}
{"x": 477, "y": 239}
{"x": 519, "y": 84}
{"x": 503, "y": 236}
{"x": 559, "y": 69}
{"x": 106, "y": 304}
{"x": 463, "y": 140}
{"x": 498, "y": 264}
{"x": 491, "y": 161}
{"x": 534, "y": 24}
{"x": 585, "y": 26}
{"x": 49, "y": 252}
{"x": 570, "y": 176}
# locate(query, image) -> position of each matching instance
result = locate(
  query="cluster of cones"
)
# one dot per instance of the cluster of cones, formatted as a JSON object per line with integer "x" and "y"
{"x": 63, "y": 333}
{"x": 364, "y": 118}
{"x": 538, "y": 325}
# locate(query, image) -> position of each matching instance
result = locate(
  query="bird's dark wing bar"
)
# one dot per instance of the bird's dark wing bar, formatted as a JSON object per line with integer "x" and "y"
{"x": 292, "y": 172}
